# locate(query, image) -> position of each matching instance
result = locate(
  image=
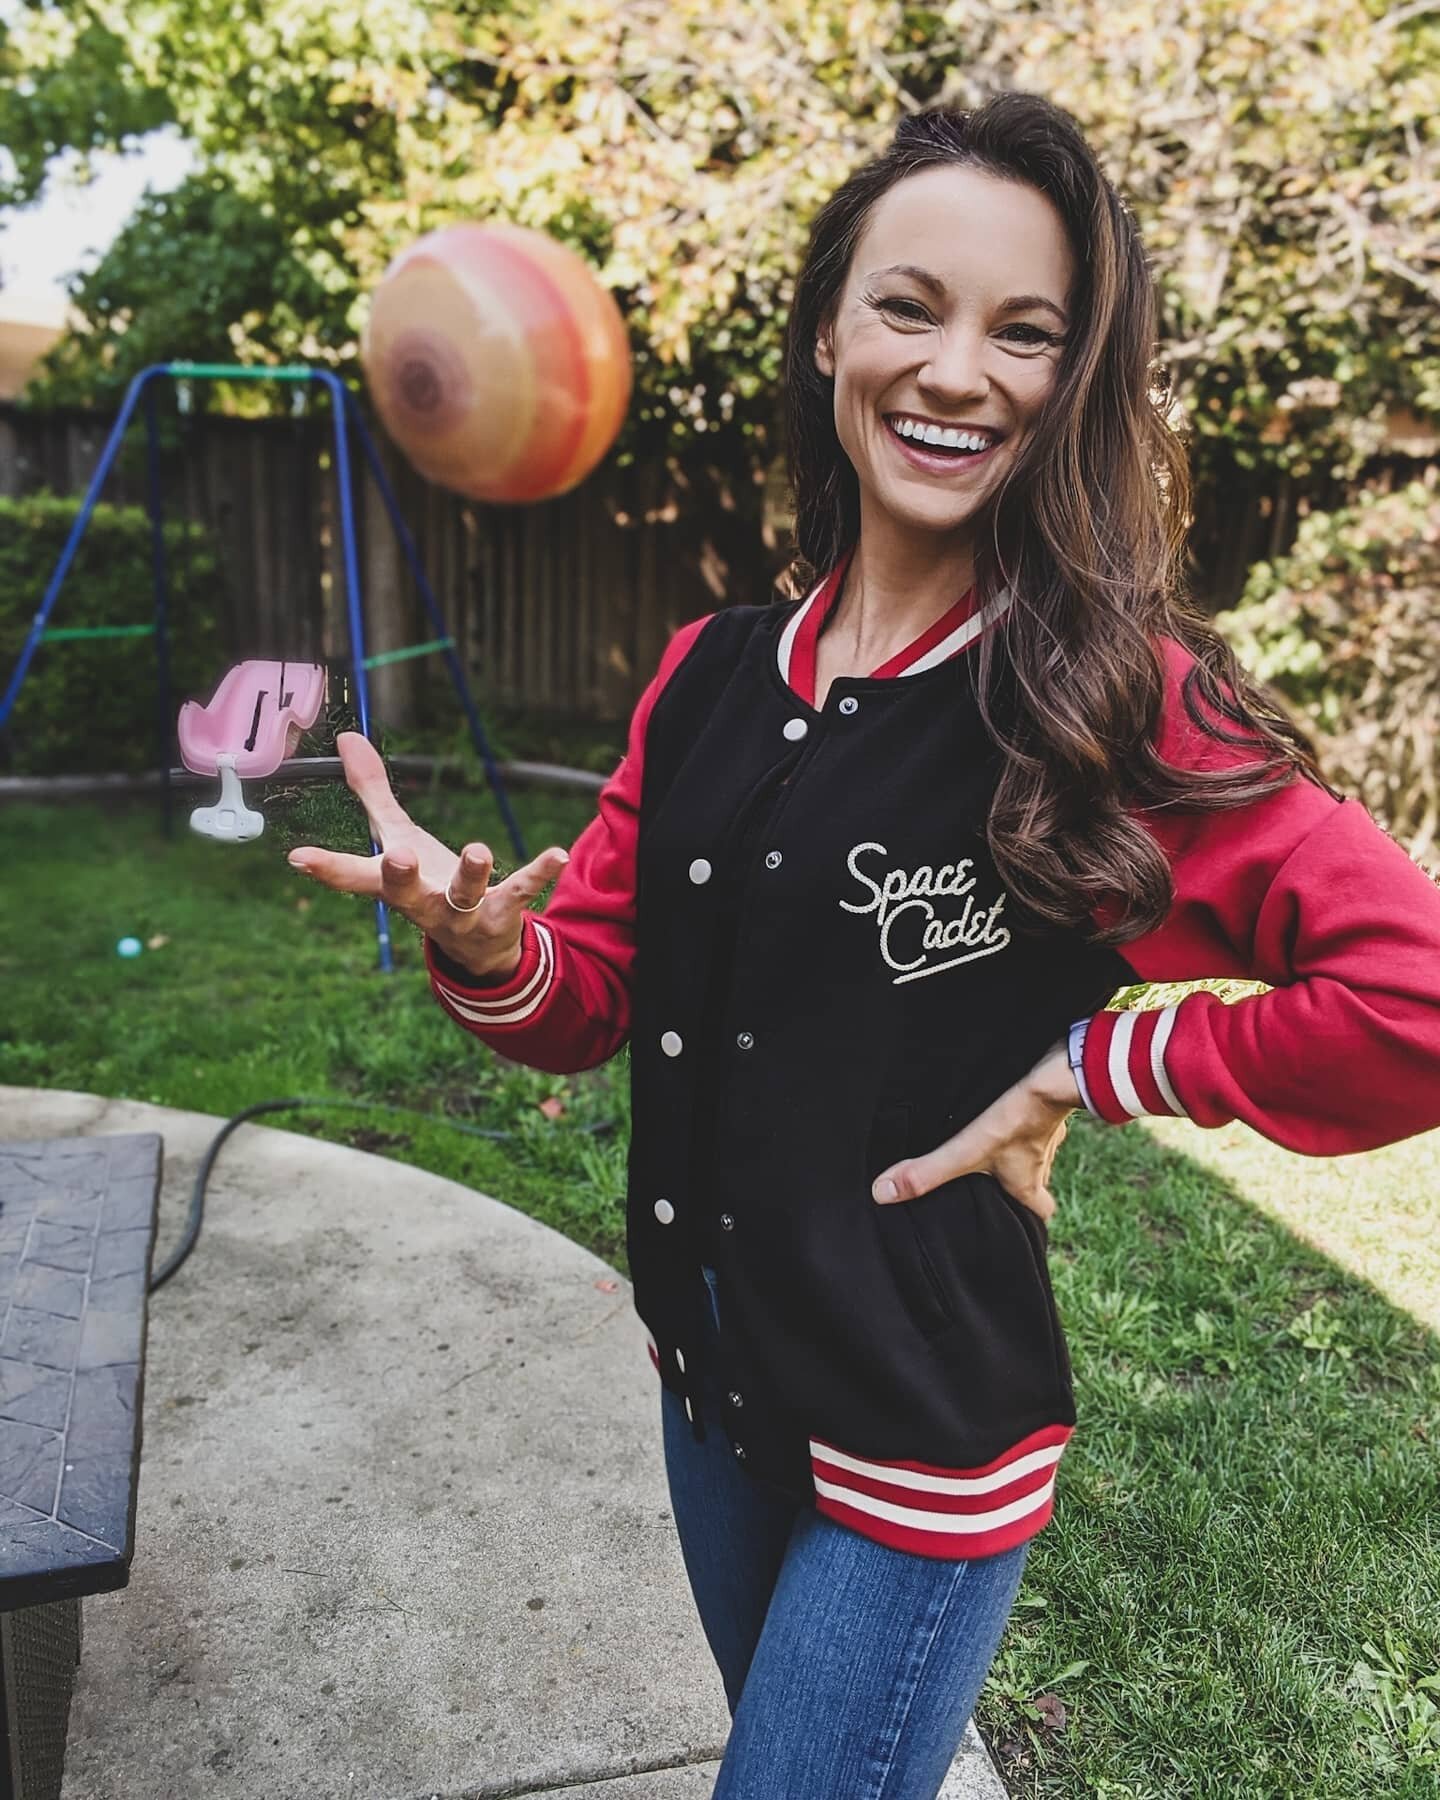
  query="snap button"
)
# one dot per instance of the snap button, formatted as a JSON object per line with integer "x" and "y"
{"x": 727, "y": 1223}
{"x": 740, "y": 1451}
{"x": 680, "y": 1359}
{"x": 745, "y": 1040}
{"x": 735, "y": 1399}
{"x": 671, "y": 1043}
{"x": 772, "y": 860}
{"x": 849, "y": 704}
{"x": 688, "y": 1413}
{"x": 664, "y": 1211}
{"x": 700, "y": 870}
{"x": 795, "y": 729}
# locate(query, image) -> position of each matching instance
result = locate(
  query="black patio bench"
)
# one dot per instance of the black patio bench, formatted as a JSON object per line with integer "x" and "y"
{"x": 77, "y": 1228}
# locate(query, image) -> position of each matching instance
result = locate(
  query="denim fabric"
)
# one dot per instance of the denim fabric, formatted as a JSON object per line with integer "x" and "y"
{"x": 850, "y": 1669}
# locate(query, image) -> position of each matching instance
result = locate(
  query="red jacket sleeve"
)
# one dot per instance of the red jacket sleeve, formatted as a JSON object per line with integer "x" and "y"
{"x": 1308, "y": 894}
{"x": 567, "y": 1006}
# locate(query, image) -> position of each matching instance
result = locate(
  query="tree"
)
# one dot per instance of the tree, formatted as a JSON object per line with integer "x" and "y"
{"x": 1283, "y": 160}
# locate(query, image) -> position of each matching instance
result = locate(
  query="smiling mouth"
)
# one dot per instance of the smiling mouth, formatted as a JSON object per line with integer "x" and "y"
{"x": 938, "y": 456}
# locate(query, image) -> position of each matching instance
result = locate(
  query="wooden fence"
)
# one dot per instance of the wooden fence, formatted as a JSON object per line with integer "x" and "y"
{"x": 563, "y": 607}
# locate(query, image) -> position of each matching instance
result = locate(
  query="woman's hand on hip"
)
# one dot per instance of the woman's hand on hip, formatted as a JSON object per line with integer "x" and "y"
{"x": 1014, "y": 1139}
{"x": 424, "y": 879}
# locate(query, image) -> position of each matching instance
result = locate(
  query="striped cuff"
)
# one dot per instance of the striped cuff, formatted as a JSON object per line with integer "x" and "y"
{"x": 1124, "y": 1075}
{"x": 511, "y": 1002}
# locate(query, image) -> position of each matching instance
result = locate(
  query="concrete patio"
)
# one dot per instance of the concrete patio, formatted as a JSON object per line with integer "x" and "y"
{"x": 403, "y": 1527}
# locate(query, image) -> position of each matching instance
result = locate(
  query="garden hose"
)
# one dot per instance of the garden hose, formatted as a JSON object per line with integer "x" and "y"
{"x": 197, "y": 1193}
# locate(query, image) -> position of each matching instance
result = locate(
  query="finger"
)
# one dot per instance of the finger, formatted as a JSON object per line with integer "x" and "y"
{"x": 470, "y": 882}
{"x": 365, "y": 774}
{"x": 333, "y": 868}
{"x": 400, "y": 883}
{"x": 527, "y": 884}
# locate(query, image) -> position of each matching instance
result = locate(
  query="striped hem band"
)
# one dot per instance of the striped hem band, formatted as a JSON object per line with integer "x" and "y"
{"x": 932, "y": 1511}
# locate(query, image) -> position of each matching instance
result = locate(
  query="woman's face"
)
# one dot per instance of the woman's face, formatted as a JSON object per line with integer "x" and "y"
{"x": 941, "y": 344}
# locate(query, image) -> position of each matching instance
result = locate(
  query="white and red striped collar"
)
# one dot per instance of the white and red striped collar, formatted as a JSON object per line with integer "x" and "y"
{"x": 950, "y": 634}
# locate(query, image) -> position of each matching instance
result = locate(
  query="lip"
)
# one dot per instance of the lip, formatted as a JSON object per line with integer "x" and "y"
{"x": 933, "y": 462}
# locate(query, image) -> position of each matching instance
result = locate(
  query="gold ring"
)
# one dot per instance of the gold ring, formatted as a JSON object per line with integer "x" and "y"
{"x": 455, "y": 904}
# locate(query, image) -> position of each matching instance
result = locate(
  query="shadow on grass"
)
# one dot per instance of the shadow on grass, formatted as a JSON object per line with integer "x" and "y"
{"x": 1240, "y": 1590}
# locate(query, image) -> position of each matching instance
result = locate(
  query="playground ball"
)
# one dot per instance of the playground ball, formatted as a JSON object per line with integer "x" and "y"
{"x": 129, "y": 947}
{"x": 497, "y": 361}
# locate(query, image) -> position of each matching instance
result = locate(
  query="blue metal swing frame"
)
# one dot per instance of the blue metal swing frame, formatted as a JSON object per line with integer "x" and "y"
{"x": 346, "y": 419}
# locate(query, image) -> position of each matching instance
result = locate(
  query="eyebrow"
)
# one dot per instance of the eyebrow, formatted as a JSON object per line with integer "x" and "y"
{"x": 1016, "y": 302}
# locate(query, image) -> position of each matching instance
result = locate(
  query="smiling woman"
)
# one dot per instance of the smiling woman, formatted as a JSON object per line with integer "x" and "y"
{"x": 855, "y": 898}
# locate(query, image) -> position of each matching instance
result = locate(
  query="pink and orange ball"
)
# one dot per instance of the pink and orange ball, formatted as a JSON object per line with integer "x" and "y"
{"x": 497, "y": 362}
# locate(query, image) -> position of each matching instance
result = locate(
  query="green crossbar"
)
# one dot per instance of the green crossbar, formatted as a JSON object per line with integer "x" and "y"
{"x": 68, "y": 633}
{"x": 393, "y": 656}
{"x": 185, "y": 371}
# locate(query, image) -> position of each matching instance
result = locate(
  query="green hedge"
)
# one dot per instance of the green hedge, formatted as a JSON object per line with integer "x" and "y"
{"x": 1345, "y": 629}
{"x": 90, "y": 705}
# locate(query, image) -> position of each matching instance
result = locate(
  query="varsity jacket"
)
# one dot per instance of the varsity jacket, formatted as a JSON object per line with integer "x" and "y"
{"x": 791, "y": 915}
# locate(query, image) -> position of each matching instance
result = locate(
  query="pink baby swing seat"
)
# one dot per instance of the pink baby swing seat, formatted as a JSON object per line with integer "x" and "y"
{"x": 252, "y": 723}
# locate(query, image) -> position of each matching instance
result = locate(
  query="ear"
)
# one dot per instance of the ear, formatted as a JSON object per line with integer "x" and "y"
{"x": 825, "y": 352}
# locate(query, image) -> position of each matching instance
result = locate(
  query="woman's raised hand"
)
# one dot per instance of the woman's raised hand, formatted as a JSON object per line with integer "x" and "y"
{"x": 424, "y": 879}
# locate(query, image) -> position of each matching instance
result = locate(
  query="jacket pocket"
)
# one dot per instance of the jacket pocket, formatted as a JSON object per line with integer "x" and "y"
{"x": 1037, "y": 1237}
{"x": 913, "y": 1268}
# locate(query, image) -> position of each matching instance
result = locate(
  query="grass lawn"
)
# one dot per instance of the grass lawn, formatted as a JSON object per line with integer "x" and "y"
{"x": 1240, "y": 1594}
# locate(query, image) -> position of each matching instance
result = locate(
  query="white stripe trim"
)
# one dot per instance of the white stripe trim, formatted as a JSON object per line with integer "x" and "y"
{"x": 1122, "y": 1047}
{"x": 964, "y": 633}
{"x": 1045, "y": 1457}
{"x": 1120, "y": 1065}
{"x": 948, "y": 1523}
{"x": 787, "y": 636}
{"x": 1164, "y": 1026}
{"x": 518, "y": 1006}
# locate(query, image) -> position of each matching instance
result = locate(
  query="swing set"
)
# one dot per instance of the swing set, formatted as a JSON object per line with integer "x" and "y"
{"x": 253, "y": 723}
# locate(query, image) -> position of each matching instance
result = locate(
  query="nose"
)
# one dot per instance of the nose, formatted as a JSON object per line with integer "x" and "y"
{"x": 956, "y": 372}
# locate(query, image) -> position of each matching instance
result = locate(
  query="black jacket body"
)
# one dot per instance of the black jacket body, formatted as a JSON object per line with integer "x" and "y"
{"x": 831, "y": 976}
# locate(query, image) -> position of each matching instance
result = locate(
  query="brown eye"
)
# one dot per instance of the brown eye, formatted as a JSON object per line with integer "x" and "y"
{"x": 917, "y": 310}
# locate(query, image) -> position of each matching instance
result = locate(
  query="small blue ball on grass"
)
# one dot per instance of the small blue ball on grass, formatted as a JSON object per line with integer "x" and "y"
{"x": 129, "y": 946}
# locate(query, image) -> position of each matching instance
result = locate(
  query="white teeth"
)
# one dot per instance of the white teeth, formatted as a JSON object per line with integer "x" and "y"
{"x": 934, "y": 434}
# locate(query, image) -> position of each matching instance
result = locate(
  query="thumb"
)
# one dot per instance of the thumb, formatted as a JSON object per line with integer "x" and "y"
{"x": 899, "y": 1183}
{"x": 916, "y": 1175}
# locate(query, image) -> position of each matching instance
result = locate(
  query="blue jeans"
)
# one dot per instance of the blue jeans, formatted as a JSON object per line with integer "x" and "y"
{"x": 850, "y": 1669}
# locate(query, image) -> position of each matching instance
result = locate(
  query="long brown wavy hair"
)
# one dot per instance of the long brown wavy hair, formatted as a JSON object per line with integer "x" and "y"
{"x": 1088, "y": 529}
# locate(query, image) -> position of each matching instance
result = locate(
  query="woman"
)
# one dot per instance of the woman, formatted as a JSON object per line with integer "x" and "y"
{"x": 856, "y": 897}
